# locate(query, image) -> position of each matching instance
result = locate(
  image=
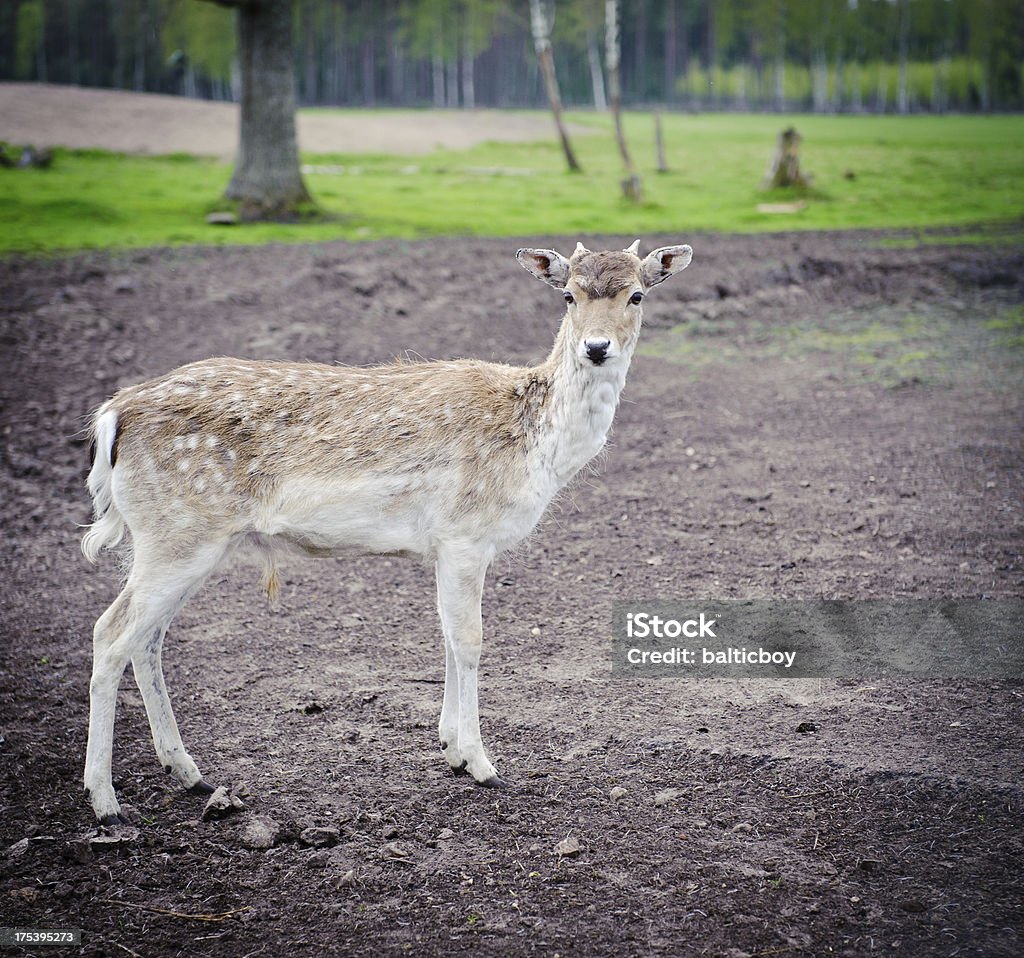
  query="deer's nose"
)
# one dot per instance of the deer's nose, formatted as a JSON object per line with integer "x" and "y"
{"x": 597, "y": 350}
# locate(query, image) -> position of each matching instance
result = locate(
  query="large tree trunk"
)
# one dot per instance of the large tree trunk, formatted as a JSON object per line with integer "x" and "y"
{"x": 267, "y": 180}
{"x": 542, "y": 44}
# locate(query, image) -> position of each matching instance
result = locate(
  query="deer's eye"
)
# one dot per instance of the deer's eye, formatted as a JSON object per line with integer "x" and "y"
{"x": 568, "y": 297}
{"x": 636, "y": 298}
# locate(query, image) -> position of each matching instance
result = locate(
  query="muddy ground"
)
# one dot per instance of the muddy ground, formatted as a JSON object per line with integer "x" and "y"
{"x": 812, "y": 415}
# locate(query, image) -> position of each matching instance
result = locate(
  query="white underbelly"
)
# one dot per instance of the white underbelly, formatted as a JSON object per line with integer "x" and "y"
{"x": 382, "y": 515}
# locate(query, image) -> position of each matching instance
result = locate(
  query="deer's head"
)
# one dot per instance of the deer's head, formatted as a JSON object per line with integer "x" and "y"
{"x": 604, "y": 293}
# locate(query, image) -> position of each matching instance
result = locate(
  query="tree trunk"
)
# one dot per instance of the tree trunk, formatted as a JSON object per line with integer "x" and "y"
{"x": 902, "y": 93}
{"x": 369, "y": 72}
{"x": 780, "y": 58}
{"x": 309, "y": 67}
{"x": 596, "y": 74}
{"x": 819, "y": 82}
{"x": 139, "y": 61}
{"x": 711, "y": 47}
{"x": 638, "y": 14}
{"x": 840, "y": 87}
{"x": 437, "y": 74}
{"x": 671, "y": 46}
{"x": 468, "y": 85}
{"x": 542, "y": 44}
{"x": 632, "y": 188}
{"x": 267, "y": 180}
{"x": 452, "y": 67}
{"x": 659, "y": 143}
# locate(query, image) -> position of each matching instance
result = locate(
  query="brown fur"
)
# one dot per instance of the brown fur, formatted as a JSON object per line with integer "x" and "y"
{"x": 223, "y": 429}
{"x": 603, "y": 275}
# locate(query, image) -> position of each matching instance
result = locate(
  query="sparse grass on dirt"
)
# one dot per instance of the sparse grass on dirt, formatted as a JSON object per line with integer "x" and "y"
{"x": 888, "y": 345}
{"x": 916, "y": 172}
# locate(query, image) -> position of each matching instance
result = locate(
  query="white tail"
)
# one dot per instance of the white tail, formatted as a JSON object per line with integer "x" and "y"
{"x": 452, "y": 461}
{"x": 108, "y": 529}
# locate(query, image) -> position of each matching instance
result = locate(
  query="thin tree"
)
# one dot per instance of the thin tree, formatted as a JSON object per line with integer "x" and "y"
{"x": 267, "y": 181}
{"x": 542, "y": 44}
{"x": 902, "y": 92}
{"x": 659, "y": 143}
{"x": 596, "y": 74}
{"x": 631, "y": 186}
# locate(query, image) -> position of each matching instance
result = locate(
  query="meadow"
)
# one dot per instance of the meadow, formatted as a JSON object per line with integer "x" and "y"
{"x": 915, "y": 172}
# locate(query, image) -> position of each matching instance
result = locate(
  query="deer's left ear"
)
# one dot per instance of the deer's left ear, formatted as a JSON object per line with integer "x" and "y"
{"x": 662, "y": 263}
{"x": 547, "y": 265}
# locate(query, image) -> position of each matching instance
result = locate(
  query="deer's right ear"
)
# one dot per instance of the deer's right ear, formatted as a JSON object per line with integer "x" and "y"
{"x": 546, "y": 265}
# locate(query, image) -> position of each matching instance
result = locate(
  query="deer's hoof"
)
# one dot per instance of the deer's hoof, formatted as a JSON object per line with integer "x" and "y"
{"x": 202, "y": 788}
{"x": 113, "y": 820}
{"x": 495, "y": 781}
{"x": 459, "y": 769}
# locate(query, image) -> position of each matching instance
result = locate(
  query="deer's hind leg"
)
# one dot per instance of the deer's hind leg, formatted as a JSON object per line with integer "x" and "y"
{"x": 132, "y": 629}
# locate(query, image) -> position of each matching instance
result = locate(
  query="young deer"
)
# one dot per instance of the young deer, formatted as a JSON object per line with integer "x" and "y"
{"x": 452, "y": 461}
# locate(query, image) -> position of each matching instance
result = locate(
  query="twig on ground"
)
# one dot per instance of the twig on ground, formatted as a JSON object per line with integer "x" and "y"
{"x": 223, "y": 916}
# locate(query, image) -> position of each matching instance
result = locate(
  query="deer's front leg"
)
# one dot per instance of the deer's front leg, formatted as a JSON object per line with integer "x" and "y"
{"x": 460, "y": 579}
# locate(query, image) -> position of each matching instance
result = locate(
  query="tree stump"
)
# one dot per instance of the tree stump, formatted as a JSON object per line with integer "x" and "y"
{"x": 785, "y": 166}
{"x": 632, "y": 188}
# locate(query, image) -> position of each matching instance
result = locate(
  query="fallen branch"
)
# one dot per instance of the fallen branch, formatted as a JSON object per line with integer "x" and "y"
{"x": 223, "y": 916}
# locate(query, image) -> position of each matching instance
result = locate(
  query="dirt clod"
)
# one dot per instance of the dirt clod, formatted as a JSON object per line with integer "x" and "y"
{"x": 667, "y": 795}
{"x": 568, "y": 847}
{"x": 221, "y": 804}
{"x": 320, "y": 836}
{"x": 261, "y": 833}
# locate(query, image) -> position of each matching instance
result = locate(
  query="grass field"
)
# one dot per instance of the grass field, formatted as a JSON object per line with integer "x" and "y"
{"x": 914, "y": 172}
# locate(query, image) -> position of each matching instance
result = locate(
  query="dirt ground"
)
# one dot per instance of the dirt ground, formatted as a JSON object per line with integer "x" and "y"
{"x": 80, "y": 118}
{"x": 834, "y": 415}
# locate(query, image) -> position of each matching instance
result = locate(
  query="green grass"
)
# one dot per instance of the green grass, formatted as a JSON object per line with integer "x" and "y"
{"x": 886, "y": 345}
{"x": 909, "y": 172}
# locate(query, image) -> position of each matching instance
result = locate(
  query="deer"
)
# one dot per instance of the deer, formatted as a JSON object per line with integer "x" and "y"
{"x": 451, "y": 461}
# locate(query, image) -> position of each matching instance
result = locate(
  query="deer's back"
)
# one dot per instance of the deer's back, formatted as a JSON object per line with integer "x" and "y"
{"x": 378, "y": 458}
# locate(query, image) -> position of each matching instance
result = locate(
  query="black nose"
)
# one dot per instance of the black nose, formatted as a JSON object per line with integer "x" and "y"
{"x": 597, "y": 350}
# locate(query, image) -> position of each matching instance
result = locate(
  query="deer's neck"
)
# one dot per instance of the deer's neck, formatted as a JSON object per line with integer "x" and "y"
{"x": 580, "y": 407}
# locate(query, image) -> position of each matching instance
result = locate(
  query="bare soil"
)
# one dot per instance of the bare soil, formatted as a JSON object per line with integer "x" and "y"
{"x": 791, "y": 440}
{"x": 80, "y": 118}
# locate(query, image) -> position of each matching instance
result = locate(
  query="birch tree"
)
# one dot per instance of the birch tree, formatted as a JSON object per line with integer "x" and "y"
{"x": 541, "y": 28}
{"x": 631, "y": 186}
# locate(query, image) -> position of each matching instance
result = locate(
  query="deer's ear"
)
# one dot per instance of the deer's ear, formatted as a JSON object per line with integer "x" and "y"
{"x": 662, "y": 263}
{"x": 546, "y": 265}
